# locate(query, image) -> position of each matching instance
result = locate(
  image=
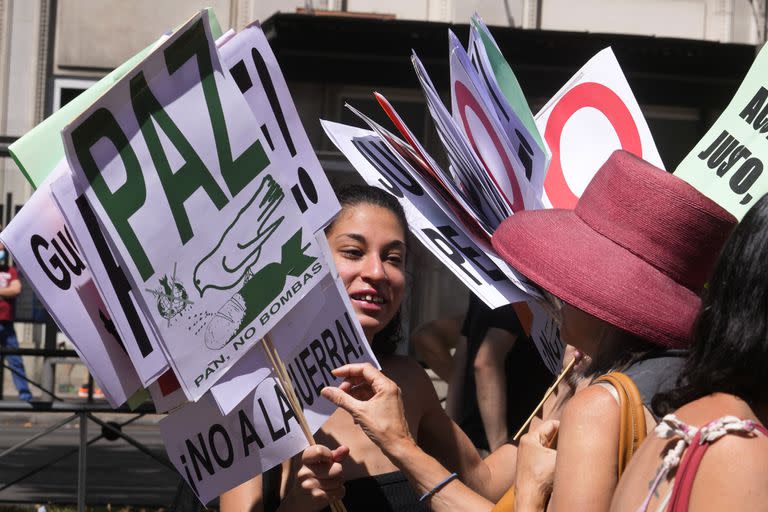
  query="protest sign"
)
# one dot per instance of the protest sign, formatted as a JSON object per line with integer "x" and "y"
{"x": 425, "y": 162}
{"x": 318, "y": 335}
{"x": 592, "y": 115}
{"x": 465, "y": 165}
{"x": 442, "y": 195}
{"x": 544, "y": 331}
{"x": 502, "y": 82}
{"x": 194, "y": 206}
{"x": 39, "y": 151}
{"x": 138, "y": 336}
{"x": 727, "y": 163}
{"x": 475, "y": 114}
{"x": 252, "y": 64}
{"x": 471, "y": 261}
{"x": 214, "y": 453}
{"x": 44, "y": 249}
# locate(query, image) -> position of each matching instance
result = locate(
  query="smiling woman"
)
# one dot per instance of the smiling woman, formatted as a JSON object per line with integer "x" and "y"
{"x": 369, "y": 243}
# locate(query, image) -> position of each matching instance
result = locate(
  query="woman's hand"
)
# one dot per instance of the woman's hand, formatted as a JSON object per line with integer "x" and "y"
{"x": 375, "y": 403}
{"x": 535, "y": 468}
{"x": 319, "y": 481}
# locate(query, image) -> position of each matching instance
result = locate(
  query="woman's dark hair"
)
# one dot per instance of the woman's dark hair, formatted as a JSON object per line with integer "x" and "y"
{"x": 385, "y": 341}
{"x": 730, "y": 348}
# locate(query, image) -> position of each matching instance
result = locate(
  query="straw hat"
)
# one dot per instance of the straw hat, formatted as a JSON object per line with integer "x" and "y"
{"x": 636, "y": 252}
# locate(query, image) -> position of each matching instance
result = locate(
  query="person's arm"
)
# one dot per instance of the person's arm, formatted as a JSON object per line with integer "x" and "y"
{"x": 587, "y": 452}
{"x": 375, "y": 403}
{"x": 433, "y": 342}
{"x": 455, "y": 397}
{"x": 444, "y": 440}
{"x": 491, "y": 384}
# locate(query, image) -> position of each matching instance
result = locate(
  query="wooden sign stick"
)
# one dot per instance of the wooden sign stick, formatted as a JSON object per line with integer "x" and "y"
{"x": 287, "y": 385}
{"x": 549, "y": 392}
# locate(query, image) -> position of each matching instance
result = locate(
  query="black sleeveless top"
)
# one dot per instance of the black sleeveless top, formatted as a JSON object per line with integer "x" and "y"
{"x": 390, "y": 492}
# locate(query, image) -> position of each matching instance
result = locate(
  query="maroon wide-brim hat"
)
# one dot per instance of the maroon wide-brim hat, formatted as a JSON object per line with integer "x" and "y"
{"x": 636, "y": 251}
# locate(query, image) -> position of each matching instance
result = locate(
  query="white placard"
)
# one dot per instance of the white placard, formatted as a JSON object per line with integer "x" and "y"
{"x": 191, "y": 197}
{"x": 594, "y": 114}
{"x": 445, "y": 181}
{"x": 534, "y": 157}
{"x": 215, "y": 453}
{"x": 465, "y": 255}
{"x": 135, "y": 330}
{"x": 476, "y": 118}
{"x": 45, "y": 250}
{"x": 320, "y": 334}
{"x": 465, "y": 165}
{"x": 252, "y": 64}
{"x": 545, "y": 333}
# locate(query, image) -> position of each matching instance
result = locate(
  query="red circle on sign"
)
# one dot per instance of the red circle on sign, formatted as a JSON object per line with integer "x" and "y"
{"x": 597, "y": 96}
{"x": 465, "y": 99}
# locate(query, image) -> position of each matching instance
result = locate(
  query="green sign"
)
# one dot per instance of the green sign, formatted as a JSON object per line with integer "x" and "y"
{"x": 40, "y": 149}
{"x": 727, "y": 164}
{"x": 507, "y": 81}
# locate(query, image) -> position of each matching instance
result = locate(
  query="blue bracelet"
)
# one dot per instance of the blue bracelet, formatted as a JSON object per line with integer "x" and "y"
{"x": 439, "y": 486}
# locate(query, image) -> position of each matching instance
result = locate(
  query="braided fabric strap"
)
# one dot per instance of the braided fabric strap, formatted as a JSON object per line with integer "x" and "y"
{"x": 671, "y": 427}
{"x": 713, "y": 431}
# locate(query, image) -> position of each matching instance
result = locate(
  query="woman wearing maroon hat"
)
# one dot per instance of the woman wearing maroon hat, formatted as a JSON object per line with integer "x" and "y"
{"x": 623, "y": 272}
{"x": 722, "y": 400}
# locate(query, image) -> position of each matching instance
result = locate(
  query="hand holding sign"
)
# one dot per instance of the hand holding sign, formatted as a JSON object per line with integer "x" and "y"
{"x": 319, "y": 481}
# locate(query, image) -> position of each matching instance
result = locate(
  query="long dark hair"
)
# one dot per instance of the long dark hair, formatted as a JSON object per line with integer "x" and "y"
{"x": 730, "y": 349}
{"x": 385, "y": 341}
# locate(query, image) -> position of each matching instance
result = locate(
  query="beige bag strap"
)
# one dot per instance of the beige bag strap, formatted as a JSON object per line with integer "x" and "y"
{"x": 632, "y": 416}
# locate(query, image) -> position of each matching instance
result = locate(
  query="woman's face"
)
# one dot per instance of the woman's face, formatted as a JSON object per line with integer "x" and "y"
{"x": 581, "y": 329}
{"x": 368, "y": 245}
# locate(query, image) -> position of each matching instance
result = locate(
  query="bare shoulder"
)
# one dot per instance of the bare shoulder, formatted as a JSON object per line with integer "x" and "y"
{"x": 589, "y": 406}
{"x": 742, "y": 453}
{"x": 733, "y": 475}
{"x": 417, "y": 390}
{"x": 405, "y": 371}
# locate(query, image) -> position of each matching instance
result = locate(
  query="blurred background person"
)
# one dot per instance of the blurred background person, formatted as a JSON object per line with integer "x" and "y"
{"x": 10, "y": 287}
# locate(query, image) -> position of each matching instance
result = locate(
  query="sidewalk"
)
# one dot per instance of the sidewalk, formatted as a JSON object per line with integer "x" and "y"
{"x": 35, "y": 419}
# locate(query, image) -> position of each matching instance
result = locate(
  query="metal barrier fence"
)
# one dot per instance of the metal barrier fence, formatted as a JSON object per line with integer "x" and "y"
{"x": 84, "y": 412}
